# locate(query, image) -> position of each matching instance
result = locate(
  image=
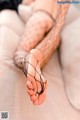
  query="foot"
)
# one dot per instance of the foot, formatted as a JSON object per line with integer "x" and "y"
{"x": 36, "y": 83}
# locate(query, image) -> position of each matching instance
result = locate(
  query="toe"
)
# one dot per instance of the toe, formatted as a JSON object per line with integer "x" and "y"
{"x": 35, "y": 102}
{"x": 31, "y": 78}
{"x": 30, "y": 92}
{"x": 29, "y": 84}
{"x": 34, "y": 97}
{"x": 41, "y": 99}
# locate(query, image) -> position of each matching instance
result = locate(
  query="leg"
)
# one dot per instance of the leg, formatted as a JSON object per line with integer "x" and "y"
{"x": 29, "y": 67}
{"x": 21, "y": 55}
{"x": 36, "y": 80}
{"x": 36, "y": 27}
{"x": 46, "y": 49}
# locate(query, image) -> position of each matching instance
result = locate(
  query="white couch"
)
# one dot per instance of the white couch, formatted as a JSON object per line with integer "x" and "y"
{"x": 13, "y": 94}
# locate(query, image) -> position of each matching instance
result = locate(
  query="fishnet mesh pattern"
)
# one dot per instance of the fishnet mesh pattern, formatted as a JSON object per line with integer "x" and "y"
{"x": 37, "y": 26}
{"x": 22, "y": 62}
{"x": 50, "y": 42}
{"x": 47, "y": 45}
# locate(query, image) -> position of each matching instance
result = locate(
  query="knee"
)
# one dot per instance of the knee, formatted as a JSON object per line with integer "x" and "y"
{"x": 41, "y": 19}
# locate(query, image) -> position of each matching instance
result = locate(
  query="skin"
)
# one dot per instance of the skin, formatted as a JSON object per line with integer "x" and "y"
{"x": 38, "y": 57}
{"x": 27, "y": 2}
{"x": 47, "y": 48}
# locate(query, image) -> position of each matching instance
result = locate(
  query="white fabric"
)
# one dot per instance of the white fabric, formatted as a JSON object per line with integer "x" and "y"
{"x": 10, "y": 19}
{"x": 13, "y": 95}
{"x": 72, "y": 15}
{"x": 70, "y": 59}
{"x": 24, "y": 12}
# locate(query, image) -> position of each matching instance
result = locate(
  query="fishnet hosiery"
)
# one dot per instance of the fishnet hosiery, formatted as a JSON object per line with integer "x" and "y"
{"x": 24, "y": 67}
{"x": 56, "y": 30}
{"x": 37, "y": 26}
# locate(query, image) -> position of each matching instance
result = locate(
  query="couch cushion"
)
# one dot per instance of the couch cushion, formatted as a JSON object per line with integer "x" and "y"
{"x": 73, "y": 14}
{"x": 14, "y": 97}
{"x": 11, "y": 19}
{"x": 70, "y": 60}
{"x": 8, "y": 42}
{"x": 24, "y": 12}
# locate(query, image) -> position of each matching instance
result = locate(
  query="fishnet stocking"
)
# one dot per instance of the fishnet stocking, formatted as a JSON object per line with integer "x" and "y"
{"x": 46, "y": 47}
{"x": 52, "y": 40}
{"x": 37, "y": 26}
{"x": 22, "y": 63}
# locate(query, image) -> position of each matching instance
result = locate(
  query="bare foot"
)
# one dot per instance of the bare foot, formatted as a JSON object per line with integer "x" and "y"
{"x": 36, "y": 83}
